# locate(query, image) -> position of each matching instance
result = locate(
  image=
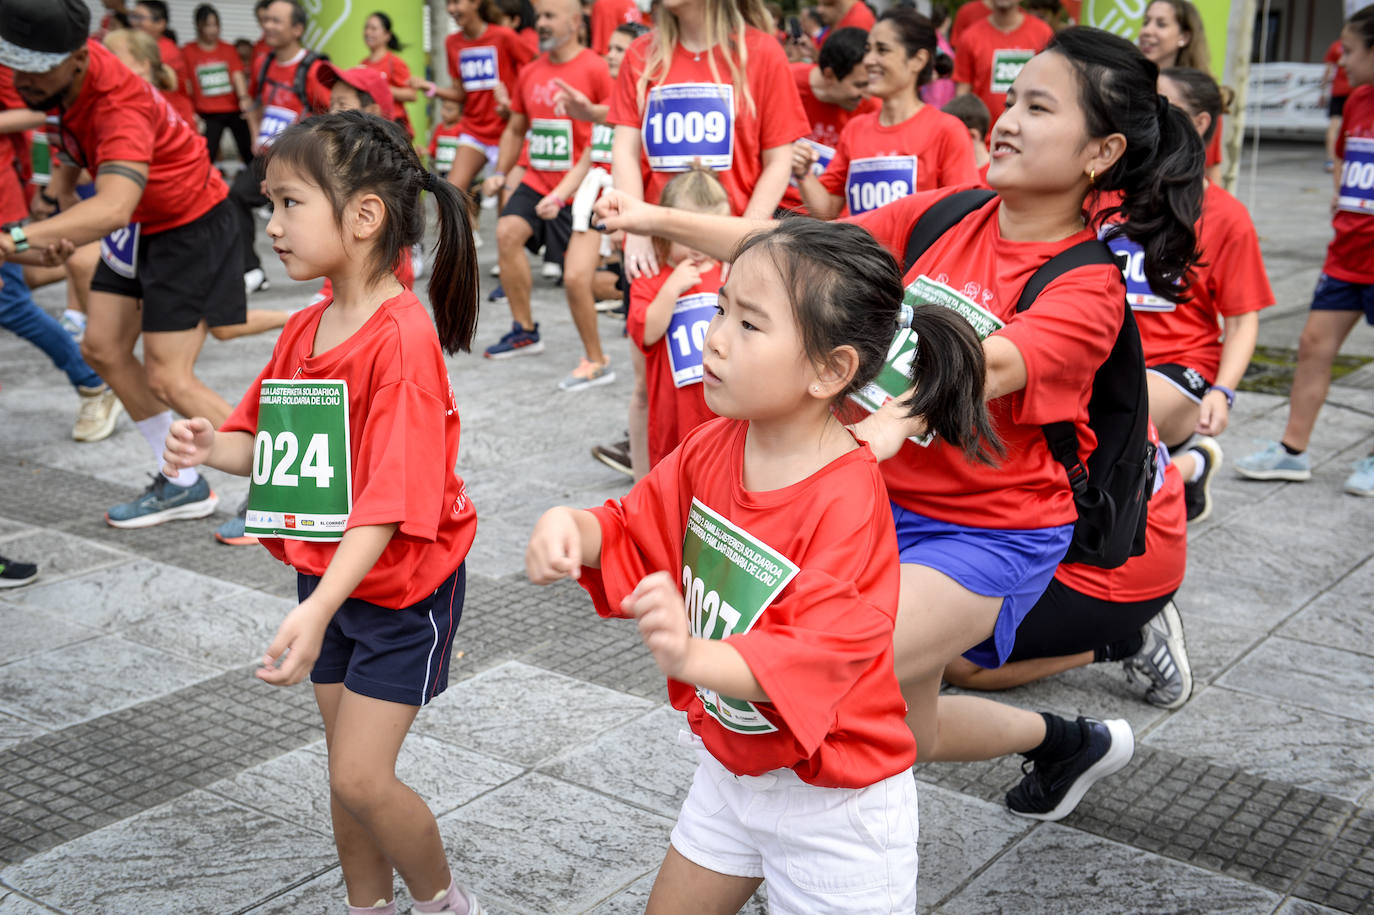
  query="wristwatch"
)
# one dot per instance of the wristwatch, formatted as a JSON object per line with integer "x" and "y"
{"x": 21, "y": 241}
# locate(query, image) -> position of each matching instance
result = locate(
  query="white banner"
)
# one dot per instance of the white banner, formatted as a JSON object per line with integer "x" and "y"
{"x": 1286, "y": 96}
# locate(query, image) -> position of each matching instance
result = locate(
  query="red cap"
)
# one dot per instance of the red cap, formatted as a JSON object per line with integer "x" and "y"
{"x": 373, "y": 82}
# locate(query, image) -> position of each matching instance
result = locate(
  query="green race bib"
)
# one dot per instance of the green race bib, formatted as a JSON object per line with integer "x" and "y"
{"x": 445, "y": 149}
{"x": 729, "y": 577}
{"x": 1006, "y": 66}
{"x": 302, "y": 485}
{"x": 551, "y": 144}
{"x": 925, "y": 291}
{"x": 213, "y": 79}
{"x": 603, "y": 138}
{"x": 41, "y": 155}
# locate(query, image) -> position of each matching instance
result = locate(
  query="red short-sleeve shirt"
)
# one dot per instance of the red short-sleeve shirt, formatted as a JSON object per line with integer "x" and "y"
{"x": 1348, "y": 257}
{"x": 988, "y": 58}
{"x": 827, "y": 122}
{"x": 607, "y": 16}
{"x": 534, "y": 96}
{"x": 1340, "y": 83}
{"x": 971, "y": 12}
{"x": 479, "y": 64}
{"x": 858, "y": 16}
{"x": 397, "y": 74}
{"x": 211, "y": 73}
{"x": 821, "y": 647}
{"x": 14, "y": 152}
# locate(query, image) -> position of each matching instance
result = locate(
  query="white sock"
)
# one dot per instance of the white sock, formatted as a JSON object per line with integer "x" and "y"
{"x": 154, "y": 430}
{"x": 1199, "y": 465}
{"x": 76, "y": 317}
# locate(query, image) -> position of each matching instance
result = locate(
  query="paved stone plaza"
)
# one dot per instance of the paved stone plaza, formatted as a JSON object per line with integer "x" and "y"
{"x": 143, "y": 769}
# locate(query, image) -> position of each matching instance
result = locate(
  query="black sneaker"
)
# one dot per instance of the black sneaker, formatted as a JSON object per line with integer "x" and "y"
{"x": 1197, "y": 496}
{"x": 616, "y": 456}
{"x": 1050, "y": 791}
{"x": 16, "y": 574}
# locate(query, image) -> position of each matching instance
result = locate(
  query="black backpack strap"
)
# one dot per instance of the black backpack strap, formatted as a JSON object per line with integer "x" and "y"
{"x": 302, "y": 74}
{"x": 262, "y": 75}
{"x": 1062, "y": 437}
{"x": 942, "y": 216}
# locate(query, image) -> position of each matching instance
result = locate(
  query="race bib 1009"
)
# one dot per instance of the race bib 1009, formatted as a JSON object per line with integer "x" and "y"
{"x": 686, "y": 336}
{"x": 119, "y": 250}
{"x": 603, "y": 136}
{"x": 1130, "y": 257}
{"x": 478, "y": 68}
{"x": 877, "y": 181}
{"x": 275, "y": 119}
{"x": 729, "y": 578}
{"x": 550, "y": 144}
{"x": 1006, "y": 66}
{"x": 687, "y": 122}
{"x": 1357, "y": 176}
{"x": 302, "y": 483}
{"x": 213, "y": 79}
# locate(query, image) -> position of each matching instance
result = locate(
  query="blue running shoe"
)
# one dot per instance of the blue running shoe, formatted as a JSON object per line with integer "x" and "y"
{"x": 498, "y": 294}
{"x": 232, "y": 532}
{"x": 162, "y": 501}
{"x": 1275, "y": 463}
{"x": 519, "y": 342}
{"x": 1361, "y": 482}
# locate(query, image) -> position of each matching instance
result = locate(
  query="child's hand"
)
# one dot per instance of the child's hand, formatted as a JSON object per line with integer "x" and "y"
{"x": 189, "y": 443}
{"x": 1214, "y": 415}
{"x": 686, "y": 275}
{"x": 662, "y": 614}
{"x": 555, "y": 548}
{"x": 299, "y": 638}
{"x": 803, "y": 157}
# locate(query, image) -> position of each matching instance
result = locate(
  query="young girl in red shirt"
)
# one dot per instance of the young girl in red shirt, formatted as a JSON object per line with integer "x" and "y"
{"x": 350, "y": 434}
{"x": 979, "y": 544}
{"x": 762, "y": 571}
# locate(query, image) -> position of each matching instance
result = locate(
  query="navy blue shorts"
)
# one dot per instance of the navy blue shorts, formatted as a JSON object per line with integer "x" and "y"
{"x": 1014, "y": 565}
{"x": 393, "y": 655}
{"x": 1332, "y": 294}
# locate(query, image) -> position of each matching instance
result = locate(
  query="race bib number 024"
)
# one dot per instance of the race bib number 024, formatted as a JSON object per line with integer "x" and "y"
{"x": 687, "y": 122}
{"x": 302, "y": 484}
{"x": 877, "y": 181}
{"x": 729, "y": 578}
{"x": 686, "y": 336}
{"x": 1357, "y": 176}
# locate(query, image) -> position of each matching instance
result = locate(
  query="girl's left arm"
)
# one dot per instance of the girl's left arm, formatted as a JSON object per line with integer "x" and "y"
{"x": 1242, "y": 331}
{"x": 777, "y": 168}
{"x": 297, "y": 643}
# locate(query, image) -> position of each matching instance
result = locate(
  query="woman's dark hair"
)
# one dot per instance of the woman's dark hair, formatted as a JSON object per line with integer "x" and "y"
{"x": 158, "y": 10}
{"x": 633, "y": 29}
{"x": 522, "y": 11}
{"x": 843, "y": 51}
{"x": 392, "y": 41}
{"x": 846, "y": 290}
{"x": 938, "y": 15}
{"x": 1160, "y": 173}
{"x": 349, "y": 153}
{"x": 1201, "y": 92}
{"x": 916, "y": 34}
{"x": 204, "y": 13}
{"x": 1362, "y": 24}
{"x": 944, "y": 65}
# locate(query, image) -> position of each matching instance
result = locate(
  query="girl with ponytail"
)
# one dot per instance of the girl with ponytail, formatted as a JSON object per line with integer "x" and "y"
{"x": 350, "y": 434}
{"x": 978, "y": 543}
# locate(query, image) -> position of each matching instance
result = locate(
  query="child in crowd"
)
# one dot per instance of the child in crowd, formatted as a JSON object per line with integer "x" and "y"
{"x": 971, "y": 110}
{"x": 443, "y": 143}
{"x": 771, "y": 521}
{"x": 371, "y": 516}
{"x": 668, "y": 317}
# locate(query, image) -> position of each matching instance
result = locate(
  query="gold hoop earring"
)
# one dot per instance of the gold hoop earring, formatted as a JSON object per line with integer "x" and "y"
{"x": 1092, "y": 176}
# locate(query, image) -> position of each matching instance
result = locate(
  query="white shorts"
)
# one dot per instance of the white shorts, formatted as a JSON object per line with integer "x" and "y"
{"x": 491, "y": 152}
{"x": 597, "y": 179}
{"x": 848, "y": 851}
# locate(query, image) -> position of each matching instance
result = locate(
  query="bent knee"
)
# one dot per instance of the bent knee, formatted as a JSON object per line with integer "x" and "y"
{"x": 512, "y": 232}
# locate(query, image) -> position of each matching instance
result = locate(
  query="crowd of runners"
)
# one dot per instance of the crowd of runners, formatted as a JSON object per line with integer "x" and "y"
{"x": 933, "y": 323}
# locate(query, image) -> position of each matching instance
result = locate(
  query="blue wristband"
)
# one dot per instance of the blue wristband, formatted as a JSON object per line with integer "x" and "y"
{"x": 1226, "y": 392}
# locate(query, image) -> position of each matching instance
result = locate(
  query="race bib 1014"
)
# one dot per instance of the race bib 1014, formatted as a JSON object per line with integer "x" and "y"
{"x": 729, "y": 578}
{"x": 302, "y": 483}
{"x": 477, "y": 68}
{"x": 686, "y": 336}
{"x": 877, "y": 181}
{"x": 1357, "y": 176}
{"x": 1006, "y": 66}
{"x": 550, "y": 144}
{"x": 689, "y": 122}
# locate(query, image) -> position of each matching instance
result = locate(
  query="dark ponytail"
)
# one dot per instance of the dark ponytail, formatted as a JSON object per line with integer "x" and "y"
{"x": 350, "y": 152}
{"x": 948, "y": 373}
{"x": 916, "y": 34}
{"x": 1160, "y": 173}
{"x": 392, "y": 42}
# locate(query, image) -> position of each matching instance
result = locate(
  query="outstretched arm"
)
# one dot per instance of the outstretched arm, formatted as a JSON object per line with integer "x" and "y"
{"x": 714, "y": 236}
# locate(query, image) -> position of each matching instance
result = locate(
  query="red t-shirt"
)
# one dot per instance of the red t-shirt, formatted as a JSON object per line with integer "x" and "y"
{"x": 1230, "y": 280}
{"x": 443, "y": 146}
{"x": 969, "y": 13}
{"x": 14, "y": 155}
{"x": 495, "y": 56}
{"x": 1348, "y": 258}
{"x": 875, "y": 165}
{"x": 1063, "y": 338}
{"x": 825, "y": 552}
{"x": 181, "y": 104}
{"x": 556, "y": 142}
{"x": 607, "y": 16}
{"x": 398, "y": 76}
{"x": 281, "y": 107}
{"x": 403, "y": 442}
{"x": 171, "y": 56}
{"x": 1340, "y": 83}
{"x": 827, "y": 121}
{"x": 673, "y": 411}
{"x": 212, "y": 77}
{"x": 1214, "y": 146}
{"x": 687, "y": 105}
{"x": 858, "y": 16}
{"x": 989, "y": 59}
{"x": 119, "y": 117}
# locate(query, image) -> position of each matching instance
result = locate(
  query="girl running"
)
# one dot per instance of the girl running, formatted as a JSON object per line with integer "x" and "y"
{"x": 1345, "y": 289}
{"x": 382, "y": 46}
{"x": 350, "y": 434}
{"x": 978, "y": 545}
{"x": 906, "y": 147}
{"x": 771, "y": 520}
{"x": 219, "y": 86}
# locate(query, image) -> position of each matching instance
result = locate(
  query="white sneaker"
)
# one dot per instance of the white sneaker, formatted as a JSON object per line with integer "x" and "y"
{"x": 255, "y": 281}
{"x": 476, "y": 239}
{"x": 99, "y": 412}
{"x": 551, "y": 271}
{"x": 417, "y": 260}
{"x": 495, "y": 270}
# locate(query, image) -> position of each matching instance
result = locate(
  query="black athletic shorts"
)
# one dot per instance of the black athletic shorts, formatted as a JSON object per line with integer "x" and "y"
{"x": 1336, "y": 106}
{"x": 1064, "y": 621}
{"x": 1187, "y": 379}
{"x": 553, "y": 233}
{"x": 186, "y": 275}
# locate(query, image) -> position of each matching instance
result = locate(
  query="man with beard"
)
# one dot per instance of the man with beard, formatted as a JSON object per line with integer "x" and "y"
{"x": 168, "y": 232}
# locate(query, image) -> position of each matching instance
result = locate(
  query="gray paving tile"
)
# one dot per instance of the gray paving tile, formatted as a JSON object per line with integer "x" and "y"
{"x": 1058, "y": 869}
{"x": 10, "y": 528}
{"x": 1314, "y": 676}
{"x": 90, "y": 678}
{"x": 958, "y": 836}
{"x": 1295, "y": 906}
{"x": 640, "y": 762}
{"x": 122, "y": 459}
{"x": 1335, "y": 620}
{"x": 540, "y": 845}
{"x": 225, "y": 634}
{"x": 631, "y": 901}
{"x": 197, "y": 854}
{"x": 526, "y": 715}
{"x": 1247, "y": 600}
{"x": 28, "y": 633}
{"x": 11, "y": 903}
{"x": 16, "y": 730}
{"x": 58, "y": 554}
{"x": 125, "y": 594}
{"x": 1229, "y": 552}
{"x": 1280, "y": 741}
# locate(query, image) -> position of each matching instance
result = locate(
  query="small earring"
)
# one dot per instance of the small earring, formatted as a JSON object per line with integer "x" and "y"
{"x": 1092, "y": 176}
{"x": 815, "y": 389}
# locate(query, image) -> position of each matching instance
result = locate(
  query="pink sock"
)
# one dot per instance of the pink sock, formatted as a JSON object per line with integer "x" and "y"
{"x": 451, "y": 901}
{"x": 387, "y": 909}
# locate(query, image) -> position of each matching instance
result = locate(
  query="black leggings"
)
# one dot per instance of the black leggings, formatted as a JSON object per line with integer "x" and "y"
{"x": 215, "y": 126}
{"x": 1064, "y": 622}
{"x": 245, "y": 193}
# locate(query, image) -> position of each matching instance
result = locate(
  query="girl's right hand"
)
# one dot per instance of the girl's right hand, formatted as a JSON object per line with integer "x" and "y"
{"x": 555, "y": 548}
{"x": 189, "y": 443}
{"x": 803, "y": 157}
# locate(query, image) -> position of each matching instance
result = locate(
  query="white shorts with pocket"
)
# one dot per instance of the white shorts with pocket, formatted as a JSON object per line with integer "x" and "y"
{"x": 847, "y": 851}
{"x": 597, "y": 180}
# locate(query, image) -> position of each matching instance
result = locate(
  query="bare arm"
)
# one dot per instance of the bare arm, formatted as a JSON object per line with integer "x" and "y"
{"x": 715, "y": 236}
{"x": 17, "y": 119}
{"x": 562, "y": 542}
{"x": 1241, "y": 333}
{"x": 118, "y": 189}
{"x": 777, "y": 168}
{"x": 821, "y": 203}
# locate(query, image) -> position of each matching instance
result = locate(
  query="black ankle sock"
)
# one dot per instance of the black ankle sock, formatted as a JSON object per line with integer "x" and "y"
{"x": 1119, "y": 650}
{"x": 1063, "y": 738}
{"x": 1290, "y": 449}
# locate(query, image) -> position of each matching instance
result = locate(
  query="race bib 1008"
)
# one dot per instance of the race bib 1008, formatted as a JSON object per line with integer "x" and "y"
{"x": 687, "y": 122}
{"x": 686, "y": 336}
{"x": 119, "y": 250}
{"x": 275, "y": 119}
{"x": 213, "y": 79}
{"x": 478, "y": 68}
{"x": 302, "y": 483}
{"x": 1357, "y": 176}
{"x": 445, "y": 150}
{"x": 1006, "y": 66}
{"x": 1130, "y": 257}
{"x": 603, "y": 136}
{"x": 729, "y": 578}
{"x": 877, "y": 181}
{"x": 550, "y": 144}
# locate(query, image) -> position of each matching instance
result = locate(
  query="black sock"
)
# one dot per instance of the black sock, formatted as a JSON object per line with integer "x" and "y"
{"x": 1290, "y": 449}
{"x": 1119, "y": 650}
{"x": 1063, "y": 738}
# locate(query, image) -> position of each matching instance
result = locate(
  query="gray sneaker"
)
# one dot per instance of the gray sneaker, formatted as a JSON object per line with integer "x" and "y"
{"x": 1162, "y": 662}
{"x": 162, "y": 501}
{"x": 1275, "y": 463}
